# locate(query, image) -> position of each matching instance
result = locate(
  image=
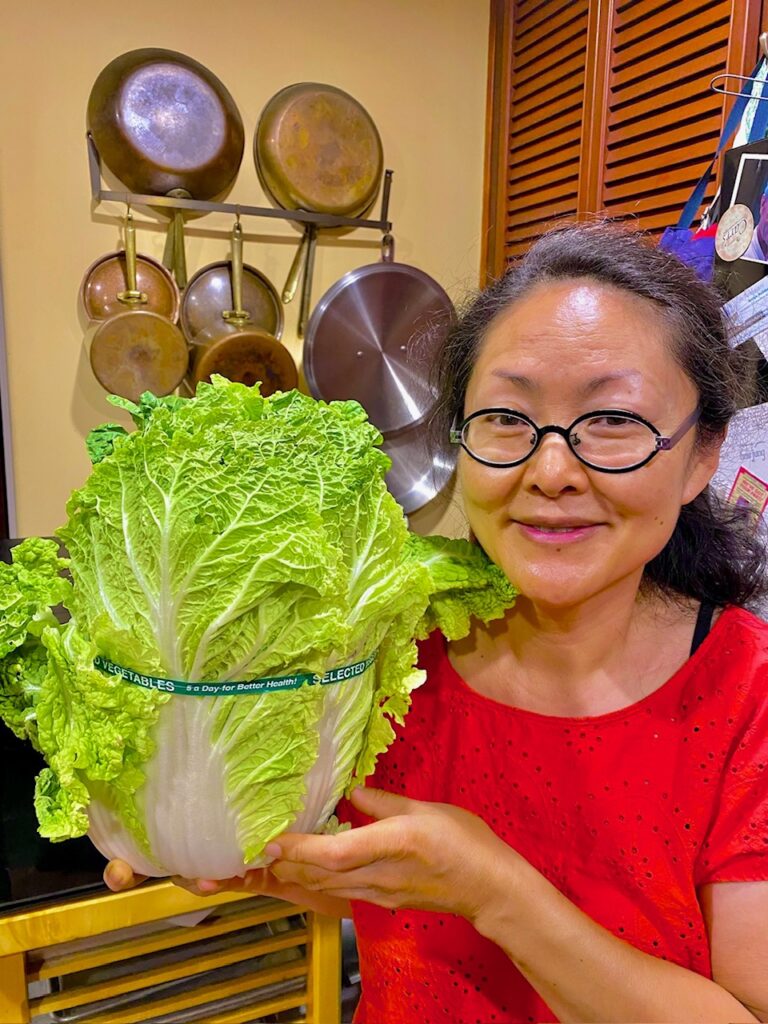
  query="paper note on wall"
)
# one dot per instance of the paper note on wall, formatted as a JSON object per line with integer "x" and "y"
{"x": 748, "y": 316}
{"x": 742, "y": 476}
{"x": 749, "y": 491}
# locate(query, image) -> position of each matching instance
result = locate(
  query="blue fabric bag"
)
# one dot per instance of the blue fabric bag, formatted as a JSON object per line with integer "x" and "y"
{"x": 697, "y": 249}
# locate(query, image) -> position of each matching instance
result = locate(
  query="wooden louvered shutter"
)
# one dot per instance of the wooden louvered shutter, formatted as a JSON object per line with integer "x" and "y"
{"x": 662, "y": 120}
{"x": 607, "y": 107}
{"x": 546, "y": 73}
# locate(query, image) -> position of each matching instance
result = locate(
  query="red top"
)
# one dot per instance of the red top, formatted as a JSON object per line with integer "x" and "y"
{"x": 627, "y": 813}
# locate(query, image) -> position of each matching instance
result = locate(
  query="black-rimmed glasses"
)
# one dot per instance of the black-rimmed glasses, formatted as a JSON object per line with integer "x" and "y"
{"x": 609, "y": 440}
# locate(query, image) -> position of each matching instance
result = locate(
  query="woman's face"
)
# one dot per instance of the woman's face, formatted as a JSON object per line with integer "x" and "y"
{"x": 564, "y": 533}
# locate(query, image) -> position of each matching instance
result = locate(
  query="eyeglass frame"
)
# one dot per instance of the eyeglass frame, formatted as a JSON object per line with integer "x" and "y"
{"x": 663, "y": 443}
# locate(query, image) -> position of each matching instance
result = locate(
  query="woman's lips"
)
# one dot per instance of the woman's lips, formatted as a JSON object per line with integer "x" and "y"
{"x": 557, "y": 534}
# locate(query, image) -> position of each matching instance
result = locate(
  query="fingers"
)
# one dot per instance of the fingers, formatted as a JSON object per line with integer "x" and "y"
{"x": 119, "y": 875}
{"x": 379, "y": 803}
{"x": 367, "y": 883}
{"x": 341, "y": 852}
{"x": 212, "y": 886}
{"x": 256, "y": 881}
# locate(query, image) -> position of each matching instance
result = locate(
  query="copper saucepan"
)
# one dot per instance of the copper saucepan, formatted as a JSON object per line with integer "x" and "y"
{"x": 238, "y": 349}
{"x": 136, "y": 349}
{"x": 105, "y": 289}
{"x": 164, "y": 124}
{"x": 210, "y": 291}
{"x": 316, "y": 149}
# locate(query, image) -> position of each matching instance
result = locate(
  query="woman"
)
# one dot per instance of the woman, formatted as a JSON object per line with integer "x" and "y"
{"x": 573, "y": 824}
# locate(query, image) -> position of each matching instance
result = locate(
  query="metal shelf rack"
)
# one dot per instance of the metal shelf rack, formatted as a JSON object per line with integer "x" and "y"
{"x": 171, "y": 203}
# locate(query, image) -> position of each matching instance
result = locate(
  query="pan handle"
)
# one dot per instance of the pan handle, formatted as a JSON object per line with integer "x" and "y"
{"x": 131, "y": 296}
{"x": 306, "y": 291}
{"x": 387, "y": 248}
{"x": 238, "y": 315}
{"x": 292, "y": 281}
{"x": 174, "y": 256}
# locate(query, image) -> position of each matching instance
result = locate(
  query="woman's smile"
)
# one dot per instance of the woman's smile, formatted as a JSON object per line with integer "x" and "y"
{"x": 557, "y": 533}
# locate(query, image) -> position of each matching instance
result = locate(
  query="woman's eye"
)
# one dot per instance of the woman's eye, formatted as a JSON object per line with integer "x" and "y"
{"x": 599, "y": 422}
{"x": 506, "y": 420}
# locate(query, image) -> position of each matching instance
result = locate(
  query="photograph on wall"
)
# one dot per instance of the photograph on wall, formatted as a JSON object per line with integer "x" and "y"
{"x": 744, "y": 180}
{"x": 750, "y": 189}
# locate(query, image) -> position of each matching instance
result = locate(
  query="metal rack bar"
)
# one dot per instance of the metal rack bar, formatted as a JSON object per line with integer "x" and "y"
{"x": 321, "y": 220}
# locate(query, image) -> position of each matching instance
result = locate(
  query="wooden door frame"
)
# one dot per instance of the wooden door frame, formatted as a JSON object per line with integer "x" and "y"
{"x": 595, "y": 116}
{"x": 7, "y": 506}
{"x": 498, "y": 101}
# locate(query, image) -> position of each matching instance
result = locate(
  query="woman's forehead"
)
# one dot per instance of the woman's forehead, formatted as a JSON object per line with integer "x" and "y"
{"x": 582, "y": 337}
{"x": 585, "y": 322}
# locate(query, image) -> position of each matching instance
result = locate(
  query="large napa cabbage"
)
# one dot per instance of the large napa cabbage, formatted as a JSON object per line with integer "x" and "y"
{"x": 244, "y": 595}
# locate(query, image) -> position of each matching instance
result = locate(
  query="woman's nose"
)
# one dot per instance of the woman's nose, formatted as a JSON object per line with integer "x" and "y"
{"x": 553, "y": 467}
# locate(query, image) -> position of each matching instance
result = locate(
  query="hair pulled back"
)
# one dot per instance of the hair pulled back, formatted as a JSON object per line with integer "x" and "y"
{"x": 714, "y": 553}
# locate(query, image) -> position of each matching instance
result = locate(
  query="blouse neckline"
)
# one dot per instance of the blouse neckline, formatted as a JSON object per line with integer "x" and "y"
{"x": 460, "y": 685}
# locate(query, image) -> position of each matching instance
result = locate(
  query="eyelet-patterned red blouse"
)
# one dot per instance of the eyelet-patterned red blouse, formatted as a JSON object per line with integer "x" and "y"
{"x": 627, "y": 813}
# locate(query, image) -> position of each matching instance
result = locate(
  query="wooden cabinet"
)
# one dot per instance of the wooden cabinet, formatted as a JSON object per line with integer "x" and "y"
{"x": 603, "y": 105}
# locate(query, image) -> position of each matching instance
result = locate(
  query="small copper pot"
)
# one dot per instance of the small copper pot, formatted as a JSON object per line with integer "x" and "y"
{"x": 236, "y": 348}
{"x": 136, "y": 349}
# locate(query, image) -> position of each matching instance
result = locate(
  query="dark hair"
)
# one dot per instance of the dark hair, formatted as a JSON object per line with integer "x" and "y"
{"x": 714, "y": 553}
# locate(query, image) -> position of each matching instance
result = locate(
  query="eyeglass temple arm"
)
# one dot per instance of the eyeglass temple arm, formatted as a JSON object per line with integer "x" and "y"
{"x": 663, "y": 444}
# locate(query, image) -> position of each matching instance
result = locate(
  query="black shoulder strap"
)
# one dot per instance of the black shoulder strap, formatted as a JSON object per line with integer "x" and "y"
{"x": 703, "y": 625}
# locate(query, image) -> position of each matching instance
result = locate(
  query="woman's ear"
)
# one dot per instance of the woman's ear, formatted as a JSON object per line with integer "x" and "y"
{"x": 704, "y": 462}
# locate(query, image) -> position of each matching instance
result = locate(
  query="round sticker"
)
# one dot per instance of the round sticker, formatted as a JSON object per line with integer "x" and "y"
{"x": 734, "y": 232}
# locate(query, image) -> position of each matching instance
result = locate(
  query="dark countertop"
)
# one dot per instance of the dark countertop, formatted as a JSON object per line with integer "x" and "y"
{"x": 5, "y": 549}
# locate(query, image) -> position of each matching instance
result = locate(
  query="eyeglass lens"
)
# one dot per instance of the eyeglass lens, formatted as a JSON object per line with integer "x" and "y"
{"x": 611, "y": 442}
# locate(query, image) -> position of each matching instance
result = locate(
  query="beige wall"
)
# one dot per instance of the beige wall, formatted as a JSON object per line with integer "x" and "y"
{"x": 418, "y": 66}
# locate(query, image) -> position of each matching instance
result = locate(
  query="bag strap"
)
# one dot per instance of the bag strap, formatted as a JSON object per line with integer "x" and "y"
{"x": 702, "y": 627}
{"x": 734, "y": 117}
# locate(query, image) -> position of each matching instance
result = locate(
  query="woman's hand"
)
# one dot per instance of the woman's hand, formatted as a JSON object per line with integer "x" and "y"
{"x": 118, "y": 875}
{"x": 419, "y": 855}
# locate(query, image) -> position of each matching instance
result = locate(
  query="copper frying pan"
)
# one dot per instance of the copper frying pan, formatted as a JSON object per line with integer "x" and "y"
{"x": 316, "y": 149}
{"x": 164, "y": 124}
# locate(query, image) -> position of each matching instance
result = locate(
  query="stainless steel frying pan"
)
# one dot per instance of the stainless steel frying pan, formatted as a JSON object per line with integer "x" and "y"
{"x": 373, "y": 337}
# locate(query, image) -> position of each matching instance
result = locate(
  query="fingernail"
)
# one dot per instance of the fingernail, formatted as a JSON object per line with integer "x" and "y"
{"x": 273, "y": 850}
{"x": 207, "y": 885}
